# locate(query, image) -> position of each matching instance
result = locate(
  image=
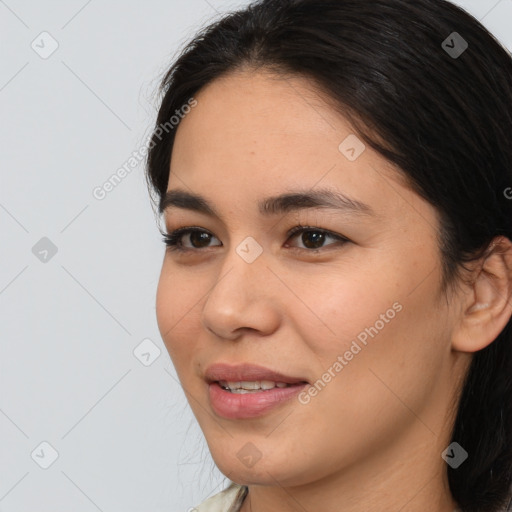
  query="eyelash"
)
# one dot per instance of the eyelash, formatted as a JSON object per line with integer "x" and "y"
{"x": 172, "y": 240}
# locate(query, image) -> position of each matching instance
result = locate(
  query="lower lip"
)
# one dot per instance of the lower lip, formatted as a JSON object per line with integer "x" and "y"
{"x": 249, "y": 405}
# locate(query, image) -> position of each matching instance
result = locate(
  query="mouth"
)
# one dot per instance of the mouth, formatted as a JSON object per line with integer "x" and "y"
{"x": 257, "y": 386}
{"x": 248, "y": 391}
{"x": 249, "y": 374}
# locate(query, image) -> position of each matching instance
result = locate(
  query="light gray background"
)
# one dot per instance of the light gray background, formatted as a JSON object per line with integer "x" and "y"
{"x": 125, "y": 437}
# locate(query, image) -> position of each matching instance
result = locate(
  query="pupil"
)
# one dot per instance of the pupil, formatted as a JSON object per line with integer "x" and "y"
{"x": 198, "y": 237}
{"x": 316, "y": 237}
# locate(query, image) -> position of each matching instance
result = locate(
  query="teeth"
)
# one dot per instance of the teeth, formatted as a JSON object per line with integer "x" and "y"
{"x": 251, "y": 386}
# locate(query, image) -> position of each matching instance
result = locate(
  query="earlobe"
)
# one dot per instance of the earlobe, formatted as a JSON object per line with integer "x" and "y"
{"x": 488, "y": 307}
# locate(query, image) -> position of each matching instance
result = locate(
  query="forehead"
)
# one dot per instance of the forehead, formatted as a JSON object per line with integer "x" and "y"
{"x": 249, "y": 111}
{"x": 255, "y": 134}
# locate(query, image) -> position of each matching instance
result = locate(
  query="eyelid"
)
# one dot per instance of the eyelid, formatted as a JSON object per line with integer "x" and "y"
{"x": 176, "y": 234}
{"x": 300, "y": 229}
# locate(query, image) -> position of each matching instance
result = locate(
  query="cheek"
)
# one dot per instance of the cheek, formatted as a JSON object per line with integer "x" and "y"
{"x": 340, "y": 307}
{"x": 372, "y": 320}
{"x": 176, "y": 311}
{"x": 390, "y": 342}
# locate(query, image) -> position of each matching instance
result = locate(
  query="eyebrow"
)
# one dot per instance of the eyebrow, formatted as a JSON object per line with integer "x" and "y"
{"x": 290, "y": 201}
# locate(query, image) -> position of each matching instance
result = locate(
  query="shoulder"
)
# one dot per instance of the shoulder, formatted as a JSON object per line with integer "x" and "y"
{"x": 228, "y": 500}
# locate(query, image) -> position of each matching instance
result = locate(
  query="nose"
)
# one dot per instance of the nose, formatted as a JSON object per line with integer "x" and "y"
{"x": 243, "y": 298}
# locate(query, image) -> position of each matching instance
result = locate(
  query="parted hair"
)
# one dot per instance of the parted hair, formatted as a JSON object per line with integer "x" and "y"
{"x": 440, "y": 111}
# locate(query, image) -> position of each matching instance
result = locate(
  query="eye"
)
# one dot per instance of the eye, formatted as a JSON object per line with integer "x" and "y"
{"x": 199, "y": 239}
{"x": 313, "y": 238}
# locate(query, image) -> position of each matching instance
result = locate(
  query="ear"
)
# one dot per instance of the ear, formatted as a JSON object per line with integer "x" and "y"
{"x": 488, "y": 307}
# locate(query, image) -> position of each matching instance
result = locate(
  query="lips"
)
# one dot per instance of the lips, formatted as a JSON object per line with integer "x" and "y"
{"x": 229, "y": 397}
{"x": 246, "y": 391}
{"x": 248, "y": 373}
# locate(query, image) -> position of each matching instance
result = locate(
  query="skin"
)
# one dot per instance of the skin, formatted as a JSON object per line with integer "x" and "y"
{"x": 372, "y": 439}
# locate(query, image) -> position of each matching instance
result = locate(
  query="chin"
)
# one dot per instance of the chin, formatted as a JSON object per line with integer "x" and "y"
{"x": 238, "y": 467}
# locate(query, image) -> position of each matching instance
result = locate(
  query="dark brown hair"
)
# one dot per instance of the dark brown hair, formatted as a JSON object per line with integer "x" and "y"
{"x": 446, "y": 120}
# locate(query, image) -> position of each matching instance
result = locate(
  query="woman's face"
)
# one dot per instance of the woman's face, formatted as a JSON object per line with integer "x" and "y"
{"x": 361, "y": 321}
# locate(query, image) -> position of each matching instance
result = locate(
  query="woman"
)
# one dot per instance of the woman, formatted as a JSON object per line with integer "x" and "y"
{"x": 335, "y": 180}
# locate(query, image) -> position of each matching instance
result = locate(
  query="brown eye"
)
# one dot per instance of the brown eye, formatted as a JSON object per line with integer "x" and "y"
{"x": 199, "y": 239}
{"x": 314, "y": 238}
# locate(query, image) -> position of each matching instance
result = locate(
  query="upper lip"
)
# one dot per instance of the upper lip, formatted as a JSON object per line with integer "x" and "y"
{"x": 246, "y": 372}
